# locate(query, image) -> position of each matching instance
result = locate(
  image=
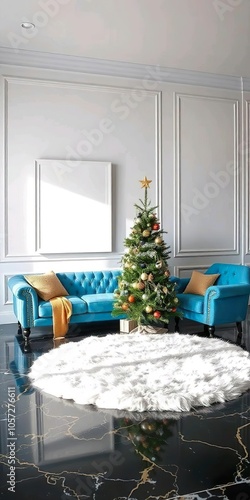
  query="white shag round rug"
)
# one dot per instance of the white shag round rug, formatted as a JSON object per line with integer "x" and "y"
{"x": 136, "y": 372}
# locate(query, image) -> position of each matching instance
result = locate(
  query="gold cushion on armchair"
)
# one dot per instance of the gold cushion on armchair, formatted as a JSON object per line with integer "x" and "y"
{"x": 199, "y": 283}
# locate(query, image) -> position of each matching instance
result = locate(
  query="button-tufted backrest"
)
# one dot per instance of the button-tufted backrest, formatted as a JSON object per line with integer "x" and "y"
{"x": 89, "y": 282}
{"x": 230, "y": 274}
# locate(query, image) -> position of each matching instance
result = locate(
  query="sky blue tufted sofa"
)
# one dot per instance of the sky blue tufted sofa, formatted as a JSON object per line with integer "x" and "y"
{"x": 90, "y": 292}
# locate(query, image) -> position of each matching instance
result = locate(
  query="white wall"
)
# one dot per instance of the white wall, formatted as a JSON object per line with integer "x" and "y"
{"x": 202, "y": 35}
{"x": 187, "y": 138}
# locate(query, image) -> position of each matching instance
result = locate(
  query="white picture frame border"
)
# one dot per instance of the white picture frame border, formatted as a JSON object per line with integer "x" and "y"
{"x": 96, "y": 233}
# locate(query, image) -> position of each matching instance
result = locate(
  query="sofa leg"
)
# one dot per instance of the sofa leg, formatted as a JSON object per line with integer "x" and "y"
{"x": 176, "y": 321}
{"x": 26, "y": 334}
{"x": 211, "y": 330}
{"x": 239, "y": 330}
{"x": 19, "y": 329}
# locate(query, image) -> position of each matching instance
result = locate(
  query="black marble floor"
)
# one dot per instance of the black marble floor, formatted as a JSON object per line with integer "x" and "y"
{"x": 52, "y": 448}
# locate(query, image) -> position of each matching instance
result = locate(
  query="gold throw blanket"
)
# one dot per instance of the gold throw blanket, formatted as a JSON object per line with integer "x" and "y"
{"x": 61, "y": 312}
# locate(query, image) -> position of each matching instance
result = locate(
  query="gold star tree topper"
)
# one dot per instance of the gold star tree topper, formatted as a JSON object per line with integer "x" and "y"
{"x": 145, "y": 183}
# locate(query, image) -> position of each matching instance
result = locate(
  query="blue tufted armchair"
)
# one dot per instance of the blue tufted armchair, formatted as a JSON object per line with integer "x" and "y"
{"x": 223, "y": 303}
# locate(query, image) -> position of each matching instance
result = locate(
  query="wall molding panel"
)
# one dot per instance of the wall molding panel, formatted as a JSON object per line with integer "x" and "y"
{"x": 5, "y": 169}
{"x": 247, "y": 177}
{"x": 186, "y": 271}
{"x": 147, "y": 101}
{"x": 158, "y": 154}
{"x": 6, "y": 295}
{"x": 198, "y": 192}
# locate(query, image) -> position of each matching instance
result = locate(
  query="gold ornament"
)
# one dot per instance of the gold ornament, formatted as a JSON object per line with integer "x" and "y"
{"x": 146, "y": 233}
{"x": 158, "y": 240}
{"x": 149, "y": 309}
{"x": 158, "y": 264}
{"x": 152, "y": 426}
{"x": 144, "y": 297}
{"x": 165, "y": 290}
{"x": 167, "y": 273}
{"x": 135, "y": 285}
{"x": 140, "y": 285}
{"x": 144, "y": 276}
{"x": 150, "y": 277}
{"x": 145, "y": 183}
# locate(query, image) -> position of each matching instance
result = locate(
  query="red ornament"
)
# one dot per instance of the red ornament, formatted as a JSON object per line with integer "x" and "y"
{"x": 156, "y": 226}
{"x": 131, "y": 298}
{"x": 157, "y": 314}
{"x": 173, "y": 309}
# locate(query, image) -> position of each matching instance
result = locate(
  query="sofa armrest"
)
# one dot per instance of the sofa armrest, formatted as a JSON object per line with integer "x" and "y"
{"x": 226, "y": 303}
{"x": 25, "y": 300}
{"x": 224, "y": 291}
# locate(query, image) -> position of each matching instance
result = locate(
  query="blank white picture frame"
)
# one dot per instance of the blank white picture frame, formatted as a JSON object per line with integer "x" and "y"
{"x": 73, "y": 206}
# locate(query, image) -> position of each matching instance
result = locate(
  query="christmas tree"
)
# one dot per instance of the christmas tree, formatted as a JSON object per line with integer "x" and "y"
{"x": 149, "y": 436}
{"x": 146, "y": 294}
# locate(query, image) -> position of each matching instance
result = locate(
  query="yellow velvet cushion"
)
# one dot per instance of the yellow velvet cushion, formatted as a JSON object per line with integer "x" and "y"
{"x": 199, "y": 283}
{"x": 47, "y": 285}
